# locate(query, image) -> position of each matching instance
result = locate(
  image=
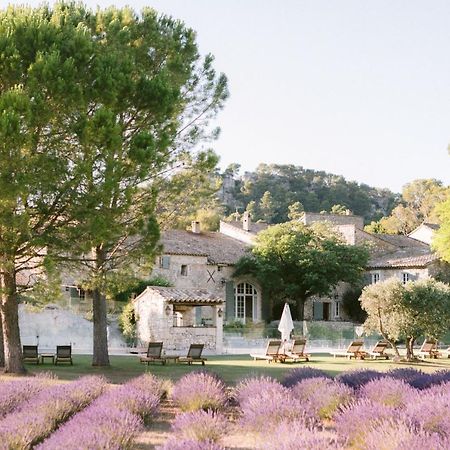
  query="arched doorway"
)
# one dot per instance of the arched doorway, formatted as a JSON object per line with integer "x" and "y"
{"x": 245, "y": 302}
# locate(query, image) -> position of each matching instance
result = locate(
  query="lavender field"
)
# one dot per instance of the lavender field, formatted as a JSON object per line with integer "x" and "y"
{"x": 361, "y": 409}
{"x": 399, "y": 409}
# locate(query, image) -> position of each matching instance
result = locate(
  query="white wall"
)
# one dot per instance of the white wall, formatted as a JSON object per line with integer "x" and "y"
{"x": 56, "y": 326}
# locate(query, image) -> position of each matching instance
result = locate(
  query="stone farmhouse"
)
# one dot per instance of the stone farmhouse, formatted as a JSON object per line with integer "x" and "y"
{"x": 200, "y": 263}
{"x": 205, "y": 294}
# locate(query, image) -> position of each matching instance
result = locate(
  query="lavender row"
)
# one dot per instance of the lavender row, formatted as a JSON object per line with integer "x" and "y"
{"x": 320, "y": 412}
{"x": 36, "y": 418}
{"x": 312, "y": 410}
{"x": 14, "y": 393}
{"x": 113, "y": 420}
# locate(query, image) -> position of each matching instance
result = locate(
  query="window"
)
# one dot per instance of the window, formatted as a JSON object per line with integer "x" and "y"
{"x": 375, "y": 278}
{"x": 184, "y": 270}
{"x": 164, "y": 262}
{"x": 76, "y": 293}
{"x": 406, "y": 277}
{"x": 337, "y": 308}
{"x": 245, "y": 298}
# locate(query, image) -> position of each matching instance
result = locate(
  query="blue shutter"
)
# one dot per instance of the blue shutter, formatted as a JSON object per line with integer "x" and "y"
{"x": 165, "y": 262}
{"x": 318, "y": 310}
{"x": 229, "y": 301}
{"x": 198, "y": 315}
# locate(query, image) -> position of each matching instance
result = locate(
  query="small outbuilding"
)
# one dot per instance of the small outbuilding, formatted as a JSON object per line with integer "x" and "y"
{"x": 180, "y": 317}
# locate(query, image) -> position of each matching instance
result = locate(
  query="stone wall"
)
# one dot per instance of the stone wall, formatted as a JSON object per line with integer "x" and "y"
{"x": 416, "y": 273}
{"x": 54, "y": 326}
{"x": 237, "y": 233}
{"x": 200, "y": 274}
{"x": 423, "y": 234}
{"x": 335, "y": 219}
{"x": 155, "y": 324}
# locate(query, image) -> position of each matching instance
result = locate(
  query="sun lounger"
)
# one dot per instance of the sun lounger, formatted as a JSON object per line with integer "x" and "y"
{"x": 378, "y": 351}
{"x": 272, "y": 352}
{"x": 295, "y": 352}
{"x": 154, "y": 351}
{"x": 446, "y": 352}
{"x": 194, "y": 355}
{"x": 63, "y": 354}
{"x": 353, "y": 351}
{"x": 429, "y": 349}
{"x": 30, "y": 353}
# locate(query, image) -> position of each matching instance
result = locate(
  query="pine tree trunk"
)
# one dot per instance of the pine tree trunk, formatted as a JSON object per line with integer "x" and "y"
{"x": 10, "y": 325}
{"x": 100, "y": 355}
{"x": 2, "y": 345}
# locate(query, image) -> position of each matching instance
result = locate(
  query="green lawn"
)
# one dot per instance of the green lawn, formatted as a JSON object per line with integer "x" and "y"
{"x": 231, "y": 368}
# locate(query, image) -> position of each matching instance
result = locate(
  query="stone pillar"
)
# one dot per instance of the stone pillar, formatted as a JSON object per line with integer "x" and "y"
{"x": 219, "y": 313}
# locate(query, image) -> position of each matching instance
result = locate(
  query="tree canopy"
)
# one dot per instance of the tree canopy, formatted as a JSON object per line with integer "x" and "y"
{"x": 315, "y": 190}
{"x": 99, "y": 109}
{"x": 294, "y": 262}
{"x": 441, "y": 240}
{"x": 418, "y": 202}
{"x": 398, "y": 311}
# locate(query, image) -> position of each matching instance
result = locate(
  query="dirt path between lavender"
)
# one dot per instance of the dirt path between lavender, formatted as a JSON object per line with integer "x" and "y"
{"x": 159, "y": 431}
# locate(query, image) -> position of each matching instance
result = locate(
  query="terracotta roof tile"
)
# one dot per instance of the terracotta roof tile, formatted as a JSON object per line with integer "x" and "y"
{"x": 402, "y": 241}
{"x": 175, "y": 295}
{"x": 402, "y": 259}
{"x": 218, "y": 248}
{"x": 255, "y": 227}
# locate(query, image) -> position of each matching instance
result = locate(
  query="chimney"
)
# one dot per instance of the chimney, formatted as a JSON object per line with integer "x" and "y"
{"x": 195, "y": 227}
{"x": 246, "y": 221}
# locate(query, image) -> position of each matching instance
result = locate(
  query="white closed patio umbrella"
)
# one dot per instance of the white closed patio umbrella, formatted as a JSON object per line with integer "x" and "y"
{"x": 286, "y": 324}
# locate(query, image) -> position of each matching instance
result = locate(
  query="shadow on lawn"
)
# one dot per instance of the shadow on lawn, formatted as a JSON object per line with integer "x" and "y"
{"x": 232, "y": 368}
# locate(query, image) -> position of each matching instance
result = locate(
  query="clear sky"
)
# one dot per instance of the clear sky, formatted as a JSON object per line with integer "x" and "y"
{"x": 359, "y": 88}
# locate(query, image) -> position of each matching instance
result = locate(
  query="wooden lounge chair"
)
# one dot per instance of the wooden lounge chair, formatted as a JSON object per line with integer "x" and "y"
{"x": 429, "y": 349}
{"x": 353, "y": 351}
{"x": 154, "y": 351}
{"x": 378, "y": 351}
{"x": 272, "y": 352}
{"x": 30, "y": 353}
{"x": 295, "y": 352}
{"x": 194, "y": 355}
{"x": 63, "y": 354}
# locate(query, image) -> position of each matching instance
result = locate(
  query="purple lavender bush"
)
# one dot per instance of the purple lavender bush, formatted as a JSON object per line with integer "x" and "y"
{"x": 200, "y": 425}
{"x": 358, "y": 378}
{"x": 388, "y": 391}
{"x": 355, "y": 420}
{"x": 189, "y": 444}
{"x": 296, "y": 375}
{"x": 200, "y": 390}
{"x": 267, "y": 409}
{"x": 324, "y": 395}
{"x": 441, "y": 376}
{"x": 41, "y": 414}
{"x": 96, "y": 427}
{"x": 398, "y": 434}
{"x": 292, "y": 435}
{"x": 151, "y": 383}
{"x": 249, "y": 387}
{"x": 442, "y": 388}
{"x": 111, "y": 422}
{"x": 14, "y": 393}
{"x": 431, "y": 413}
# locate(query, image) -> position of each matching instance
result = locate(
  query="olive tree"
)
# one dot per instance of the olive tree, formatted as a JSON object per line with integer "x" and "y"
{"x": 399, "y": 311}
